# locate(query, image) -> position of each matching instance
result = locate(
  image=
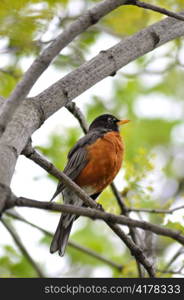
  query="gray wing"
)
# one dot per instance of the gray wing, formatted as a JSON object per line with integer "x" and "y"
{"x": 77, "y": 158}
{"x": 74, "y": 166}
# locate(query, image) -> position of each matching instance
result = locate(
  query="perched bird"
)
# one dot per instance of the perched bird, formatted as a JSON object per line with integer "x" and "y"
{"x": 93, "y": 163}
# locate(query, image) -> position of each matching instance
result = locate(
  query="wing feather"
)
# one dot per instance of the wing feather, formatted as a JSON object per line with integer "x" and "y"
{"x": 78, "y": 158}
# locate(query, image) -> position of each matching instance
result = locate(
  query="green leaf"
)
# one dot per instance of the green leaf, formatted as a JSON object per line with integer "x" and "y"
{"x": 175, "y": 226}
{"x": 13, "y": 264}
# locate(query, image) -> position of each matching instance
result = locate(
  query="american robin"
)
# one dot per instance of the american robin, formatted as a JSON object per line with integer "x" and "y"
{"x": 93, "y": 163}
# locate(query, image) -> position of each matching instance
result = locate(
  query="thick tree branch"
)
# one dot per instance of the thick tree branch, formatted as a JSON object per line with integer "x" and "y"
{"x": 20, "y": 245}
{"x": 97, "y": 214}
{"x": 71, "y": 244}
{"x": 107, "y": 63}
{"x": 39, "y": 108}
{"x": 134, "y": 249}
{"x": 41, "y": 63}
{"x": 33, "y": 112}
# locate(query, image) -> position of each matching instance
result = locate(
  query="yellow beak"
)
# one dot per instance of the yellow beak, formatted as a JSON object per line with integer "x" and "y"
{"x": 122, "y": 122}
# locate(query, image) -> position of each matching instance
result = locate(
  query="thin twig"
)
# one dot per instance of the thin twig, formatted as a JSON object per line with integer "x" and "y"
{"x": 181, "y": 268}
{"x": 119, "y": 199}
{"x": 155, "y": 211}
{"x": 171, "y": 272}
{"x": 74, "y": 109}
{"x": 124, "y": 211}
{"x": 156, "y": 8}
{"x": 70, "y": 243}
{"x": 20, "y": 245}
{"x": 135, "y": 250}
{"x": 173, "y": 258}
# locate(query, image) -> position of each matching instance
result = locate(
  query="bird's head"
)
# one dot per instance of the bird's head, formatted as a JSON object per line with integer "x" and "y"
{"x": 108, "y": 122}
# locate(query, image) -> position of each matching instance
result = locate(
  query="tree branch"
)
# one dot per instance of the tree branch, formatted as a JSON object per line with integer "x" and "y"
{"x": 173, "y": 258}
{"x": 97, "y": 214}
{"x": 107, "y": 63}
{"x": 76, "y": 112}
{"x": 133, "y": 232}
{"x": 121, "y": 204}
{"x": 156, "y": 8}
{"x": 155, "y": 211}
{"x": 171, "y": 272}
{"x": 72, "y": 244}
{"x": 33, "y": 112}
{"x": 41, "y": 63}
{"x": 20, "y": 245}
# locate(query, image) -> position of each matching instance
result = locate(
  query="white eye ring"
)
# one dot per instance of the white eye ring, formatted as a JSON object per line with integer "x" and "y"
{"x": 110, "y": 119}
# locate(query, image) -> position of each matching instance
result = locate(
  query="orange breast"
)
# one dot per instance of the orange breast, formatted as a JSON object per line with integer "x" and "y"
{"x": 105, "y": 159}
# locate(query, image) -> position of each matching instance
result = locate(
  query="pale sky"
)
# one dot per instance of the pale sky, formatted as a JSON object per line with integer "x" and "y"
{"x": 24, "y": 183}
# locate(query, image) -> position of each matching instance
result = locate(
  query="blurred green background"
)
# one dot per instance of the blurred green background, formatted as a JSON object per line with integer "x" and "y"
{"x": 149, "y": 91}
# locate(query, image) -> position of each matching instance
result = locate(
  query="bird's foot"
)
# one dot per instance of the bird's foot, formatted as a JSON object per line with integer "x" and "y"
{"x": 99, "y": 207}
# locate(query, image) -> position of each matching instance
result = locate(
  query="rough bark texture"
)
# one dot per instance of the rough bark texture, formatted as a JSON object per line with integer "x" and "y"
{"x": 90, "y": 17}
{"x": 33, "y": 112}
{"x": 20, "y": 117}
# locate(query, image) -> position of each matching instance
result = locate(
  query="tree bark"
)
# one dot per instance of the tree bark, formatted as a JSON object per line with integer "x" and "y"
{"x": 34, "y": 111}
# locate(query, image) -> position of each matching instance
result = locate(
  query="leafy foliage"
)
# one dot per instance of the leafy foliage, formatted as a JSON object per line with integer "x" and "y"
{"x": 13, "y": 264}
{"x": 152, "y": 150}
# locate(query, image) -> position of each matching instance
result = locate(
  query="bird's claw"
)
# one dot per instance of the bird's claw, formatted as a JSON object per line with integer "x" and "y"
{"x": 100, "y": 207}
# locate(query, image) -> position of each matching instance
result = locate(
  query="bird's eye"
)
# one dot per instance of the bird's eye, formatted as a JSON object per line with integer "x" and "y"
{"x": 110, "y": 120}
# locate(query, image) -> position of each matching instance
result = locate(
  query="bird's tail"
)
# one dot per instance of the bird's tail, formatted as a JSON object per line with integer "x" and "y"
{"x": 60, "y": 238}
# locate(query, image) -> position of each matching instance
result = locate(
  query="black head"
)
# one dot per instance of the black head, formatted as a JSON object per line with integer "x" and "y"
{"x": 106, "y": 121}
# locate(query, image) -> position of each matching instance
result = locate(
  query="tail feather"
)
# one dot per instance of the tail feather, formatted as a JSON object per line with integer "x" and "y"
{"x": 60, "y": 238}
